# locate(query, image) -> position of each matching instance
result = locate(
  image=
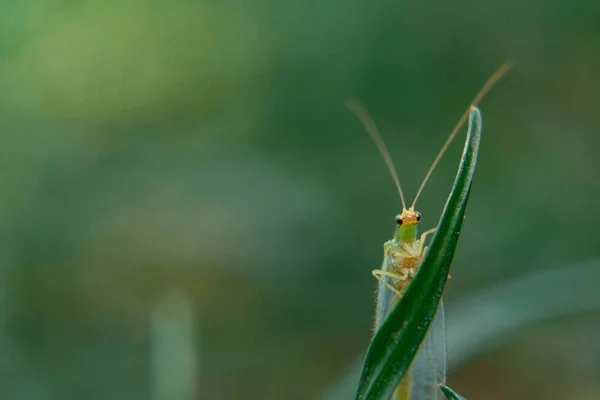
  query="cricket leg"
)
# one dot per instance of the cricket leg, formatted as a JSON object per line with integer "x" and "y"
{"x": 422, "y": 248}
{"x": 378, "y": 274}
{"x": 427, "y": 233}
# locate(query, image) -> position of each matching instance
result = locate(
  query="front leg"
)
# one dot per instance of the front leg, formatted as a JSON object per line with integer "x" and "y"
{"x": 379, "y": 274}
{"x": 422, "y": 248}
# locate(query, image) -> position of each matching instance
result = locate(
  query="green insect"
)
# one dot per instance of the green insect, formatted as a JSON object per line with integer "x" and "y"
{"x": 403, "y": 255}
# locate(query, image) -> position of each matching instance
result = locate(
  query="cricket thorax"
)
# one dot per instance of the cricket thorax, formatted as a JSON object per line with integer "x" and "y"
{"x": 405, "y": 259}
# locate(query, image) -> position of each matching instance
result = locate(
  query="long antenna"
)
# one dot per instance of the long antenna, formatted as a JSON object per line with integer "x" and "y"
{"x": 363, "y": 115}
{"x": 482, "y": 92}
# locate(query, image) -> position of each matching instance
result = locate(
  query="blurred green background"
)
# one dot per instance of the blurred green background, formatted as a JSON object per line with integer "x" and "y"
{"x": 189, "y": 212}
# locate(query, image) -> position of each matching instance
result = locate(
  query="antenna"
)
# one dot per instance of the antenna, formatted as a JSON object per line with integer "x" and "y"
{"x": 363, "y": 115}
{"x": 504, "y": 68}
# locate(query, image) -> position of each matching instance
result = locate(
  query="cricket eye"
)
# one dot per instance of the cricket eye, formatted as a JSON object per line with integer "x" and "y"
{"x": 399, "y": 220}
{"x": 418, "y": 216}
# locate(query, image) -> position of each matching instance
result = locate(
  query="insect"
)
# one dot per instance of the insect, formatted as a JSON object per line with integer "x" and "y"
{"x": 404, "y": 253}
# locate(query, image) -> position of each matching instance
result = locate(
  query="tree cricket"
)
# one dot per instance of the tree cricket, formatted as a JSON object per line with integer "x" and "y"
{"x": 403, "y": 255}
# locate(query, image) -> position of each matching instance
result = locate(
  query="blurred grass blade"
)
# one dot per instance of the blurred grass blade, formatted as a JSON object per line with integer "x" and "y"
{"x": 396, "y": 342}
{"x": 450, "y": 394}
{"x": 488, "y": 319}
{"x": 173, "y": 348}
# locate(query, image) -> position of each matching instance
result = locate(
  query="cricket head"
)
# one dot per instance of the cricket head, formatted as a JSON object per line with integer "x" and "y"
{"x": 406, "y": 230}
{"x": 408, "y": 217}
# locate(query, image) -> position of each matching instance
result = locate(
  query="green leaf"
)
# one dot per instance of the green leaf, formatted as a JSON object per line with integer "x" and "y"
{"x": 450, "y": 394}
{"x": 397, "y": 341}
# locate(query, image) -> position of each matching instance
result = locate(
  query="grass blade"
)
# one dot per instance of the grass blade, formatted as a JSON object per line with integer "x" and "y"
{"x": 450, "y": 394}
{"x": 397, "y": 341}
